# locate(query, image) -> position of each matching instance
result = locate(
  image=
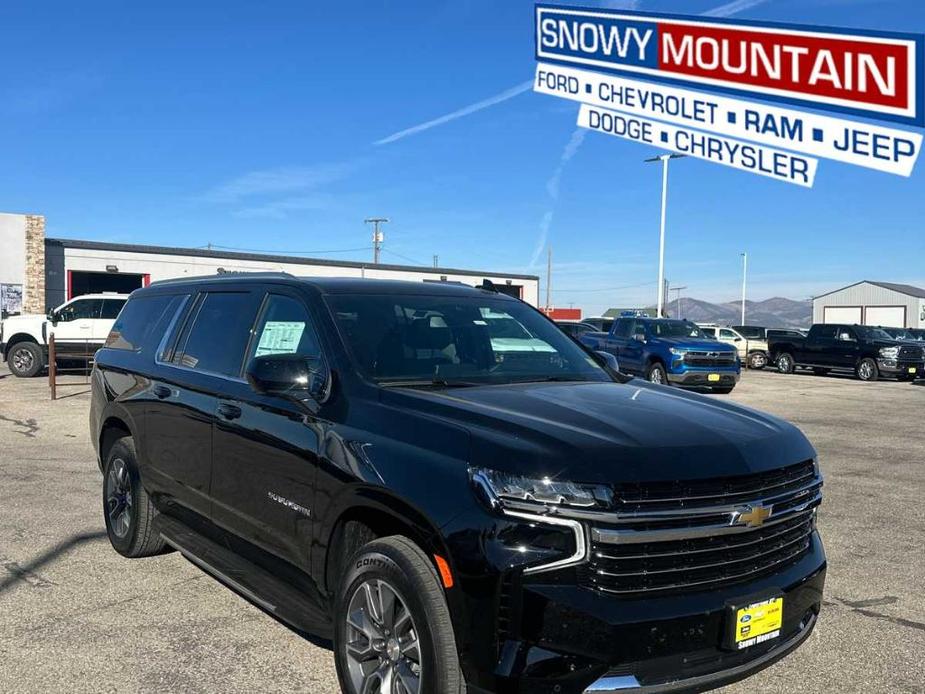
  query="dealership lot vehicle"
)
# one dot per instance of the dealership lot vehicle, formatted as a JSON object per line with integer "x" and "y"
{"x": 70, "y": 606}
{"x": 668, "y": 351}
{"x": 752, "y": 351}
{"x": 575, "y": 328}
{"x": 381, "y": 427}
{"x": 866, "y": 351}
{"x": 80, "y": 327}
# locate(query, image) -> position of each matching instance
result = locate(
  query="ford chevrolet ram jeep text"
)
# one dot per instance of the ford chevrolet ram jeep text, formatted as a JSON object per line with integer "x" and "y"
{"x": 370, "y": 462}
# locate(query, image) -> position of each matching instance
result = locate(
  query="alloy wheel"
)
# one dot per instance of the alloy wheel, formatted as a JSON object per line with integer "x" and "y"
{"x": 865, "y": 370}
{"x": 783, "y": 364}
{"x": 119, "y": 498}
{"x": 655, "y": 376}
{"x": 22, "y": 360}
{"x": 383, "y": 648}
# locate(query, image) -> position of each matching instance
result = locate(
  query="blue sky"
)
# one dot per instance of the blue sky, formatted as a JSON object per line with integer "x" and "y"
{"x": 280, "y": 126}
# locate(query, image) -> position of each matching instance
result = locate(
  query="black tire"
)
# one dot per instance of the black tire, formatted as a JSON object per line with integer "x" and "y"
{"x": 867, "y": 370}
{"x": 723, "y": 391}
{"x": 819, "y": 371}
{"x": 656, "y": 373}
{"x": 25, "y": 359}
{"x": 399, "y": 565}
{"x": 127, "y": 509}
{"x": 785, "y": 363}
{"x": 757, "y": 360}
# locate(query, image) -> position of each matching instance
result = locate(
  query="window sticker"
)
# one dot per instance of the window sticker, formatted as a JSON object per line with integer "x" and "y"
{"x": 280, "y": 337}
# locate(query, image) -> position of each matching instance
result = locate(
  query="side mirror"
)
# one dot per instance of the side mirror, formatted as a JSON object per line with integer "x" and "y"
{"x": 290, "y": 376}
{"x": 608, "y": 360}
{"x": 53, "y": 317}
{"x": 639, "y": 337}
{"x": 738, "y": 339}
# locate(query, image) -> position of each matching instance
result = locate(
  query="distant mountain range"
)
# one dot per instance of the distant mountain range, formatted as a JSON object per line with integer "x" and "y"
{"x": 770, "y": 313}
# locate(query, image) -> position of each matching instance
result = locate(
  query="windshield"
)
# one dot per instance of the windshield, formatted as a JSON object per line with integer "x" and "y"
{"x": 872, "y": 333}
{"x": 899, "y": 333}
{"x": 452, "y": 340}
{"x": 674, "y": 328}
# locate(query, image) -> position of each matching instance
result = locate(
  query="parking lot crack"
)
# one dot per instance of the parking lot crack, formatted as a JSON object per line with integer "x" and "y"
{"x": 861, "y": 607}
{"x": 20, "y": 573}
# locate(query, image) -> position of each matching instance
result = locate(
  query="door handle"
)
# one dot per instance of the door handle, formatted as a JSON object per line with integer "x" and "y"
{"x": 229, "y": 411}
{"x": 161, "y": 392}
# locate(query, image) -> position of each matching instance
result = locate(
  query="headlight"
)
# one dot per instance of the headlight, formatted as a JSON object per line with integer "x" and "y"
{"x": 677, "y": 352}
{"x": 889, "y": 352}
{"x": 521, "y": 492}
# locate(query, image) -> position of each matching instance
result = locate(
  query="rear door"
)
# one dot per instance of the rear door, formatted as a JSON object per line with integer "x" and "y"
{"x": 820, "y": 347}
{"x": 266, "y": 448}
{"x": 200, "y": 365}
{"x": 110, "y": 310}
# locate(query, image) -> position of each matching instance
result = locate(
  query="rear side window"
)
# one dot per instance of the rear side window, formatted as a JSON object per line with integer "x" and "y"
{"x": 219, "y": 334}
{"x": 111, "y": 308}
{"x": 143, "y": 320}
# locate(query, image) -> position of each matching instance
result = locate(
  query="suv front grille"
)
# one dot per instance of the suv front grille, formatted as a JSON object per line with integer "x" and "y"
{"x": 675, "y": 536}
{"x": 911, "y": 352}
{"x": 709, "y": 358}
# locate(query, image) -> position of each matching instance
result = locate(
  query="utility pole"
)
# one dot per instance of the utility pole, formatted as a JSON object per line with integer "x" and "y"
{"x": 664, "y": 158}
{"x": 436, "y": 261}
{"x": 744, "y": 277}
{"x": 377, "y": 236}
{"x": 678, "y": 290}
{"x": 548, "y": 279}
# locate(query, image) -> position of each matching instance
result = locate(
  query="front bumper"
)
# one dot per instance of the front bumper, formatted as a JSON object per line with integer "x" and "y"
{"x": 699, "y": 683}
{"x": 692, "y": 378}
{"x": 561, "y": 638}
{"x": 901, "y": 367}
{"x": 2, "y": 351}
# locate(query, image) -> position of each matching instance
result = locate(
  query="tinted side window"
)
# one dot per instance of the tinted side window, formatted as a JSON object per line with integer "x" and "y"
{"x": 111, "y": 308}
{"x": 143, "y": 321}
{"x": 284, "y": 328}
{"x": 220, "y": 333}
{"x": 624, "y": 325}
{"x": 82, "y": 308}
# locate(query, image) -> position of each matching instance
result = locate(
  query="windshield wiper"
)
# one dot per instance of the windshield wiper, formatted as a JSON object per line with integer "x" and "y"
{"x": 554, "y": 379}
{"x": 427, "y": 383}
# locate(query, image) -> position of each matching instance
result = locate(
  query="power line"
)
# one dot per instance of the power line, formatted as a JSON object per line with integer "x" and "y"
{"x": 275, "y": 251}
{"x": 403, "y": 257}
{"x": 607, "y": 289}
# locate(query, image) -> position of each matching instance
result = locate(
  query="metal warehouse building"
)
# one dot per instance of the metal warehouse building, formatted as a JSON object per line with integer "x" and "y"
{"x": 872, "y": 303}
{"x": 38, "y": 273}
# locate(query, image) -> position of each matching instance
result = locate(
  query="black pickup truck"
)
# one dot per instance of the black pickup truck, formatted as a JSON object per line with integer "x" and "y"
{"x": 867, "y": 351}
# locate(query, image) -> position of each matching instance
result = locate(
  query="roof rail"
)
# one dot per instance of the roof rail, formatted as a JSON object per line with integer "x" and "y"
{"x": 226, "y": 275}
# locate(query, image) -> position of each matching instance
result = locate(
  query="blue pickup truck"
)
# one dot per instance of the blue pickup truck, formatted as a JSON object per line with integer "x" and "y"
{"x": 669, "y": 351}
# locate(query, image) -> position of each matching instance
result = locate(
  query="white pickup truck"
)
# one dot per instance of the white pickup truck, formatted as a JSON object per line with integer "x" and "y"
{"x": 80, "y": 327}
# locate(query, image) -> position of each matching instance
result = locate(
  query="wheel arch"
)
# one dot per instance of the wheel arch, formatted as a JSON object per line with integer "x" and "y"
{"x": 15, "y": 339}
{"x": 384, "y": 514}
{"x": 113, "y": 427}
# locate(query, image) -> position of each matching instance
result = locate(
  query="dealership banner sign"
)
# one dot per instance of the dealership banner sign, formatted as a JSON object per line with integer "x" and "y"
{"x": 688, "y": 71}
{"x": 862, "y": 144}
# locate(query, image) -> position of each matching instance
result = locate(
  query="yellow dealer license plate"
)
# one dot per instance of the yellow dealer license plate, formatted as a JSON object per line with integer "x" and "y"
{"x": 912, "y": 369}
{"x": 757, "y": 623}
{"x": 713, "y": 378}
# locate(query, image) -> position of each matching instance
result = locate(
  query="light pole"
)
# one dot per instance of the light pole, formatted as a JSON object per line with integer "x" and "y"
{"x": 377, "y": 235}
{"x": 664, "y": 158}
{"x": 744, "y": 277}
{"x": 678, "y": 290}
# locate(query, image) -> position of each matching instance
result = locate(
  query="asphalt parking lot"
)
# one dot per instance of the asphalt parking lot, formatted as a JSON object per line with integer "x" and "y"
{"x": 76, "y": 617}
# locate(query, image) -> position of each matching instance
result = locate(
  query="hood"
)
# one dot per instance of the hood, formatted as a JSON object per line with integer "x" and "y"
{"x": 609, "y": 432}
{"x": 22, "y": 319}
{"x": 696, "y": 343}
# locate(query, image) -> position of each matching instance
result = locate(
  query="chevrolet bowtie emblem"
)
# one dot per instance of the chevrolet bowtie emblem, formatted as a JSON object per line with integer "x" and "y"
{"x": 754, "y": 516}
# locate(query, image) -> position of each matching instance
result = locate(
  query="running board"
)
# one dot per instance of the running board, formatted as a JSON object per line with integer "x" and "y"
{"x": 257, "y": 585}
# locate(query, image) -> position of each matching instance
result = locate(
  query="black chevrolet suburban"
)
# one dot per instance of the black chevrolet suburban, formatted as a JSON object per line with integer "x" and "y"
{"x": 366, "y": 461}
